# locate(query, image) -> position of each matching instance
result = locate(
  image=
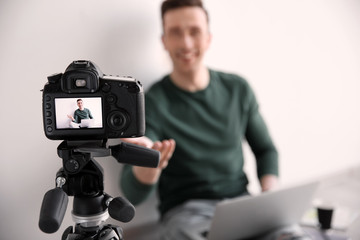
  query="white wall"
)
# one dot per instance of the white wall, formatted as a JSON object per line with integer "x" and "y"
{"x": 301, "y": 57}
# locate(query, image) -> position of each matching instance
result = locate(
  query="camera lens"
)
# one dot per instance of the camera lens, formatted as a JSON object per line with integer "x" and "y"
{"x": 118, "y": 120}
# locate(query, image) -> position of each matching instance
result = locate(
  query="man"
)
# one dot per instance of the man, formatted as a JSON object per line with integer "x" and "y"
{"x": 206, "y": 114}
{"x": 80, "y": 113}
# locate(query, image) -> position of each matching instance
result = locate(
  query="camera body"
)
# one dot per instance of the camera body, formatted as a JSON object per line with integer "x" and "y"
{"x": 84, "y": 104}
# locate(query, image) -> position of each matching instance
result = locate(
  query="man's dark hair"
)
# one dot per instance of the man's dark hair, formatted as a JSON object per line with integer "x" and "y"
{"x": 79, "y": 100}
{"x": 168, "y": 5}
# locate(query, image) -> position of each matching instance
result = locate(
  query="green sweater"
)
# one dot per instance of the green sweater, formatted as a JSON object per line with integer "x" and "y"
{"x": 209, "y": 127}
{"x": 82, "y": 114}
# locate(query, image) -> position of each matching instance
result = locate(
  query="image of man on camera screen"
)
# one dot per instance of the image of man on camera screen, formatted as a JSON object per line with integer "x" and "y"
{"x": 80, "y": 113}
{"x": 67, "y": 117}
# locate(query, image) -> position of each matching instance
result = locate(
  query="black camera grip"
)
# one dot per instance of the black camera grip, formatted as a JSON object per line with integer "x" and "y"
{"x": 135, "y": 155}
{"x": 53, "y": 209}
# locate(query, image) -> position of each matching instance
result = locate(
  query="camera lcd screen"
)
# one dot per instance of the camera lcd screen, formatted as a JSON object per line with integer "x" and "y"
{"x": 78, "y": 113}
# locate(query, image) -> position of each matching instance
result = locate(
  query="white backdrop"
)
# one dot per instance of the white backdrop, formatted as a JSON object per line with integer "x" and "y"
{"x": 301, "y": 57}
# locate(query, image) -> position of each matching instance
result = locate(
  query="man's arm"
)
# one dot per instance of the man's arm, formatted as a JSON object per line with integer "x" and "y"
{"x": 265, "y": 153}
{"x": 76, "y": 117}
{"x": 71, "y": 118}
{"x": 90, "y": 115}
{"x": 138, "y": 182}
{"x": 151, "y": 175}
{"x": 261, "y": 143}
{"x": 269, "y": 182}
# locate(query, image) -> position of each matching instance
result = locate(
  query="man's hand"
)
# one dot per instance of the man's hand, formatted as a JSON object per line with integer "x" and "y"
{"x": 166, "y": 149}
{"x": 269, "y": 182}
{"x": 71, "y": 118}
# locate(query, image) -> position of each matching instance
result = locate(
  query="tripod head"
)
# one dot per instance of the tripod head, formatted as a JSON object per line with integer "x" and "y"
{"x": 82, "y": 177}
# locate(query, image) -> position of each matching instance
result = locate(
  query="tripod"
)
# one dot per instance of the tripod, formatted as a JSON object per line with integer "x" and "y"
{"x": 82, "y": 177}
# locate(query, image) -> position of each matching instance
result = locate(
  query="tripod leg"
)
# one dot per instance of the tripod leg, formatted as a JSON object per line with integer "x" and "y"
{"x": 66, "y": 233}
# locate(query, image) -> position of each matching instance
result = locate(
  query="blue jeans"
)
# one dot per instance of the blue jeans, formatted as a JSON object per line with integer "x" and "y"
{"x": 200, "y": 212}
{"x": 177, "y": 220}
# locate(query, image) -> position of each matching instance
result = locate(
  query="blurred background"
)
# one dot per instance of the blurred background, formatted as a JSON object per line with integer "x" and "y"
{"x": 301, "y": 57}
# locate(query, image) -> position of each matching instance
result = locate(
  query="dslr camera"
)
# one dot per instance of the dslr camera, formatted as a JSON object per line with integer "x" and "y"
{"x": 84, "y": 104}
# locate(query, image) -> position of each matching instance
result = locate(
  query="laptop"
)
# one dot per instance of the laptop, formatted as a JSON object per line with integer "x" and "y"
{"x": 249, "y": 216}
{"x": 87, "y": 123}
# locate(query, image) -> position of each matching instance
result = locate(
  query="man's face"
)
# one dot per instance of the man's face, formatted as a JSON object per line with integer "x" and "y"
{"x": 186, "y": 37}
{"x": 80, "y": 105}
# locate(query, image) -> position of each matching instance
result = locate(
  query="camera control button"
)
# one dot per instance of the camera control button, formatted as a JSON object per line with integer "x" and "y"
{"x": 118, "y": 120}
{"x": 48, "y": 113}
{"x": 111, "y": 99}
{"x": 47, "y": 98}
{"x": 106, "y": 88}
{"x": 72, "y": 166}
{"x": 48, "y": 106}
{"x": 49, "y": 129}
{"x": 48, "y": 121}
